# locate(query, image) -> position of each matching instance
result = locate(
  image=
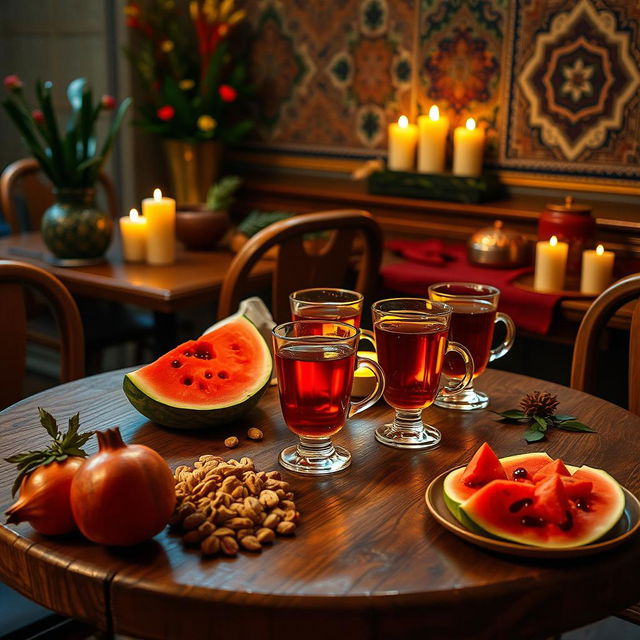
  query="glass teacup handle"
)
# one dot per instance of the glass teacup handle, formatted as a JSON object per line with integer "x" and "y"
{"x": 365, "y": 334}
{"x": 504, "y": 347}
{"x": 466, "y": 380}
{"x": 376, "y": 394}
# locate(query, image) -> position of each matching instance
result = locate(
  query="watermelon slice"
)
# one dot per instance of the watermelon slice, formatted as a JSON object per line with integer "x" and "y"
{"x": 555, "y": 466}
{"x": 204, "y": 382}
{"x": 456, "y": 491}
{"x": 524, "y": 513}
{"x": 483, "y": 467}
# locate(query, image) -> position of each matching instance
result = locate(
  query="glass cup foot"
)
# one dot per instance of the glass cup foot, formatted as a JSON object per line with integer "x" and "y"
{"x": 467, "y": 400}
{"x": 315, "y": 457}
{"x": 407, "y": 431}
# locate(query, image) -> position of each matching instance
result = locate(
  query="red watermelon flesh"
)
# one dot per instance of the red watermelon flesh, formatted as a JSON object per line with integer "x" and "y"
{"x": 550, "y": 501}
{"x": 512, "y": 511}
{"x": 556, "y": 466}
{"x": 576, "y": 488}
{"x": 483, "y": 467}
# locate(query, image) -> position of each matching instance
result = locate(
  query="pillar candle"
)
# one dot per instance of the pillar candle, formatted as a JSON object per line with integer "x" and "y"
{"x": 432, "y": 141}
{"x": 402, "y": 145}
{"x": 551, "y": 263}
{"x": 597, "y": 270}
{"x": 161, "y": 228}
{"x": 133, "y": 230}
{"x": 468, "y": 148}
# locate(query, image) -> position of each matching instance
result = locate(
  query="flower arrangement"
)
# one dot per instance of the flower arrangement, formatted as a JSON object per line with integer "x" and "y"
{"x": 192, "y": 83}
{"x": 72, "y": 160}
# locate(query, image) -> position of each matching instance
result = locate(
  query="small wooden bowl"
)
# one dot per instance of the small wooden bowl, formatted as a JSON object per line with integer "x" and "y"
{"x": 198, "y": 228}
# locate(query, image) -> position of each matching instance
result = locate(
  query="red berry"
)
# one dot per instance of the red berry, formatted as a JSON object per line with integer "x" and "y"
{"x": 13, "y": 82}
{"x": 166, "y": 112}
{"x": 227, "y": 93}
{"x": 38, "y": 116}
{"x": 108, "y": 102}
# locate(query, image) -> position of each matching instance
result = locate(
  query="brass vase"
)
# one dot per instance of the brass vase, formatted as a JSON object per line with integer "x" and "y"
{"x": 194, "y": 167}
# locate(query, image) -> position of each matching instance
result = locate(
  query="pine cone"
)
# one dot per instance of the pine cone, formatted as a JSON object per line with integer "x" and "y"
{"x": 538, "y": 403}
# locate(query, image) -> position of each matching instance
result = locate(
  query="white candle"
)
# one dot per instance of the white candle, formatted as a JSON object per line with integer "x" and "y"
{"x": 597, "y": 270}
{"x": 432, "y": 141}
{"x": 468, "y": 149}
{"x": 133, "y": 230}
{"x": 402, "y": 145}
{"x": 161, "y": 228}
{"x": 551, "y": 262}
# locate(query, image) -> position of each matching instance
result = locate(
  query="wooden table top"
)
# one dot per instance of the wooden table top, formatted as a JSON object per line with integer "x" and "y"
{"x": 195, "y": 278}
{"x": 367, "y": 556}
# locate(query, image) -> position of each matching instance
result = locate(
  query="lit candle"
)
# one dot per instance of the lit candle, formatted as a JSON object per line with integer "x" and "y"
{"x": 432, "y": 141}
{"x": 597, "y": 270}
{"x": 402, "y": 145}
{"x": 133, "y": 230}
{"x": 468, "y": 148}
{"x": 551, "y": 262}
{"x": 161, "y": 228}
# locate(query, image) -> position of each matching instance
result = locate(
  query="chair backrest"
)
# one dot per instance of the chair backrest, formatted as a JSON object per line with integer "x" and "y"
{"x": 23, "y": 178}
{"x": 596, "y": 317}
{"x": 14, "y": 277}
{"x": 298, "y": 266}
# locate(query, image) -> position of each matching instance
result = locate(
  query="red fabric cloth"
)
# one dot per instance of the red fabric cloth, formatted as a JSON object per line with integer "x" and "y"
{"x": 432, "y": 261}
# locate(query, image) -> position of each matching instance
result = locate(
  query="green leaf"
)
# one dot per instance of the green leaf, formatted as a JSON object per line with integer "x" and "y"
{"x": 51, "y": 127}
{"x": 75, "y": 91}
{"x": 113, "y": 132}
{"x": 48, "y": 422}
{"x": 513, "y": 414}
{"x": 574, "y": 425}
{"x": 541, "y": 422}
{"x": 563, "y": 418}
{"x": 533, "y": 434}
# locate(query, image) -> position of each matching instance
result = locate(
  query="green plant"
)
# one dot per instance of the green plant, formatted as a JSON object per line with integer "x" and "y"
{"x": 221, "y": 194}
{"x": 71, "y": 160}
{"x": 192, "y": 82}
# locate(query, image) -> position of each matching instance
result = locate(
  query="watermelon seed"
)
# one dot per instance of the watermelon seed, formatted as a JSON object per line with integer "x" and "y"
{"x": 208, "y": 374}
{"x": 235, "y": 347}
{"x": 223, "y": 375}
{"x": 520, "y": 504}
{"x": 187, "y": 381}
{"x": 583, "y": 505}
{"x": 175, "y": 364}
{"x": 202, "y": 386}
{"x": 520, "y": 473}
{"x": 568, "y": 523}
{"x": 188, "y": 354}
{"x": 531, "y": 521}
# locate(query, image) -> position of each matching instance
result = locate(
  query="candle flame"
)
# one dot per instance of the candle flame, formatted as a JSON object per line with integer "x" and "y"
{"x": 157, "y": 194}
{"x": 599, "y": 250}
{"x": 133, "y": 214}
{"x": 434, "y": 113}
{"x": 403, "y": 122}
{"x": 553, "y": 241}
{"x": 471, "y": 124}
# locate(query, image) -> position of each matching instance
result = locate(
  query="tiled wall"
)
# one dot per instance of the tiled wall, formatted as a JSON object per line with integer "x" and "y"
{"x": 556, "y": 83}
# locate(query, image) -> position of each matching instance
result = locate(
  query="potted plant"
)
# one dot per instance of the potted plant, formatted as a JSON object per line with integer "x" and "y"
{"x": 192, "y": 84}
{"x": 73, "y": 227}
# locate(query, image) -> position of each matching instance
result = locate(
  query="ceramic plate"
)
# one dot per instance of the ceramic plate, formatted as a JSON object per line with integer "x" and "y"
{"x": 625, "y": 528}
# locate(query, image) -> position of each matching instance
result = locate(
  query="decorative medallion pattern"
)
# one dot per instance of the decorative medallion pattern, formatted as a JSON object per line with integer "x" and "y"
{"x": 575, "y": 92}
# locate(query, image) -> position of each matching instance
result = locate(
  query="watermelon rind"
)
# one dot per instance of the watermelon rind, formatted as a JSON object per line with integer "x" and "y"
{"x": 451, "y": 495}
{"x": 184, "y": 416}
{"x": 556, "y": 539}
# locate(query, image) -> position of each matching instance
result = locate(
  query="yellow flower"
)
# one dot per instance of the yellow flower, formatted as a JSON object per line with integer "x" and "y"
{"x": 207, "y": 123}
{"x": 131, "y": 11}
{"x": 167, "y": 46}
{"x": 185, "y": 85}
{"x": 236, "y": 16}
{"x": 223, "y": 30}
{"x": 194, "y": 10}
{"x": 225, "y": 8}
{"x": 209, "y": 10}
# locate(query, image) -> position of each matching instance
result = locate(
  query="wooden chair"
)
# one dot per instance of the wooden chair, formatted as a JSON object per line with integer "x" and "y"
{"x": 23, "y": 178}
{"x": 298, "y": 267}
{"x": 14, "y": 277}
{"x": 595, "y": 319}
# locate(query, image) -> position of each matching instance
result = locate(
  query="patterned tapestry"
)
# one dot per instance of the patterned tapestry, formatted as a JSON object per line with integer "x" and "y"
{"x": 556, "y": 83}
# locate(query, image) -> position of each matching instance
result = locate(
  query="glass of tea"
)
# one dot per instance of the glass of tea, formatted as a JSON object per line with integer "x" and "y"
{"x": 315, "y": 362}
{"x": 411, "y": 341}
{"x": 475, "y": 314}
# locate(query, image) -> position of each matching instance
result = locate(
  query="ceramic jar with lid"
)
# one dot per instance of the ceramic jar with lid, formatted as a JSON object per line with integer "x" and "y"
{"x": 571, "y": 223}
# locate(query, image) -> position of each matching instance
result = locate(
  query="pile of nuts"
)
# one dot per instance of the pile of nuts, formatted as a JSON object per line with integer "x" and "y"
{"x": 225, "y": 505}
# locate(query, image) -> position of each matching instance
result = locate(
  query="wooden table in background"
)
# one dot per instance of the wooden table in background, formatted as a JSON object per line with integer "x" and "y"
{"x": 195, "y": 279}
{"x": 368, "y": 560}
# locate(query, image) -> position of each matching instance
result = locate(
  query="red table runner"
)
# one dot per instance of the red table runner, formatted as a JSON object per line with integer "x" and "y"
{"x": 432, "y": 261}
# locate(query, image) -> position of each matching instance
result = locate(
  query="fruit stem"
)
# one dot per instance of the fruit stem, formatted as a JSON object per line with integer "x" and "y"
{"x": 110, "y": 439}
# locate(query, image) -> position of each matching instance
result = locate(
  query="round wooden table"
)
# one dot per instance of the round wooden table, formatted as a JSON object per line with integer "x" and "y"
{"x": 368, "y": 561}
